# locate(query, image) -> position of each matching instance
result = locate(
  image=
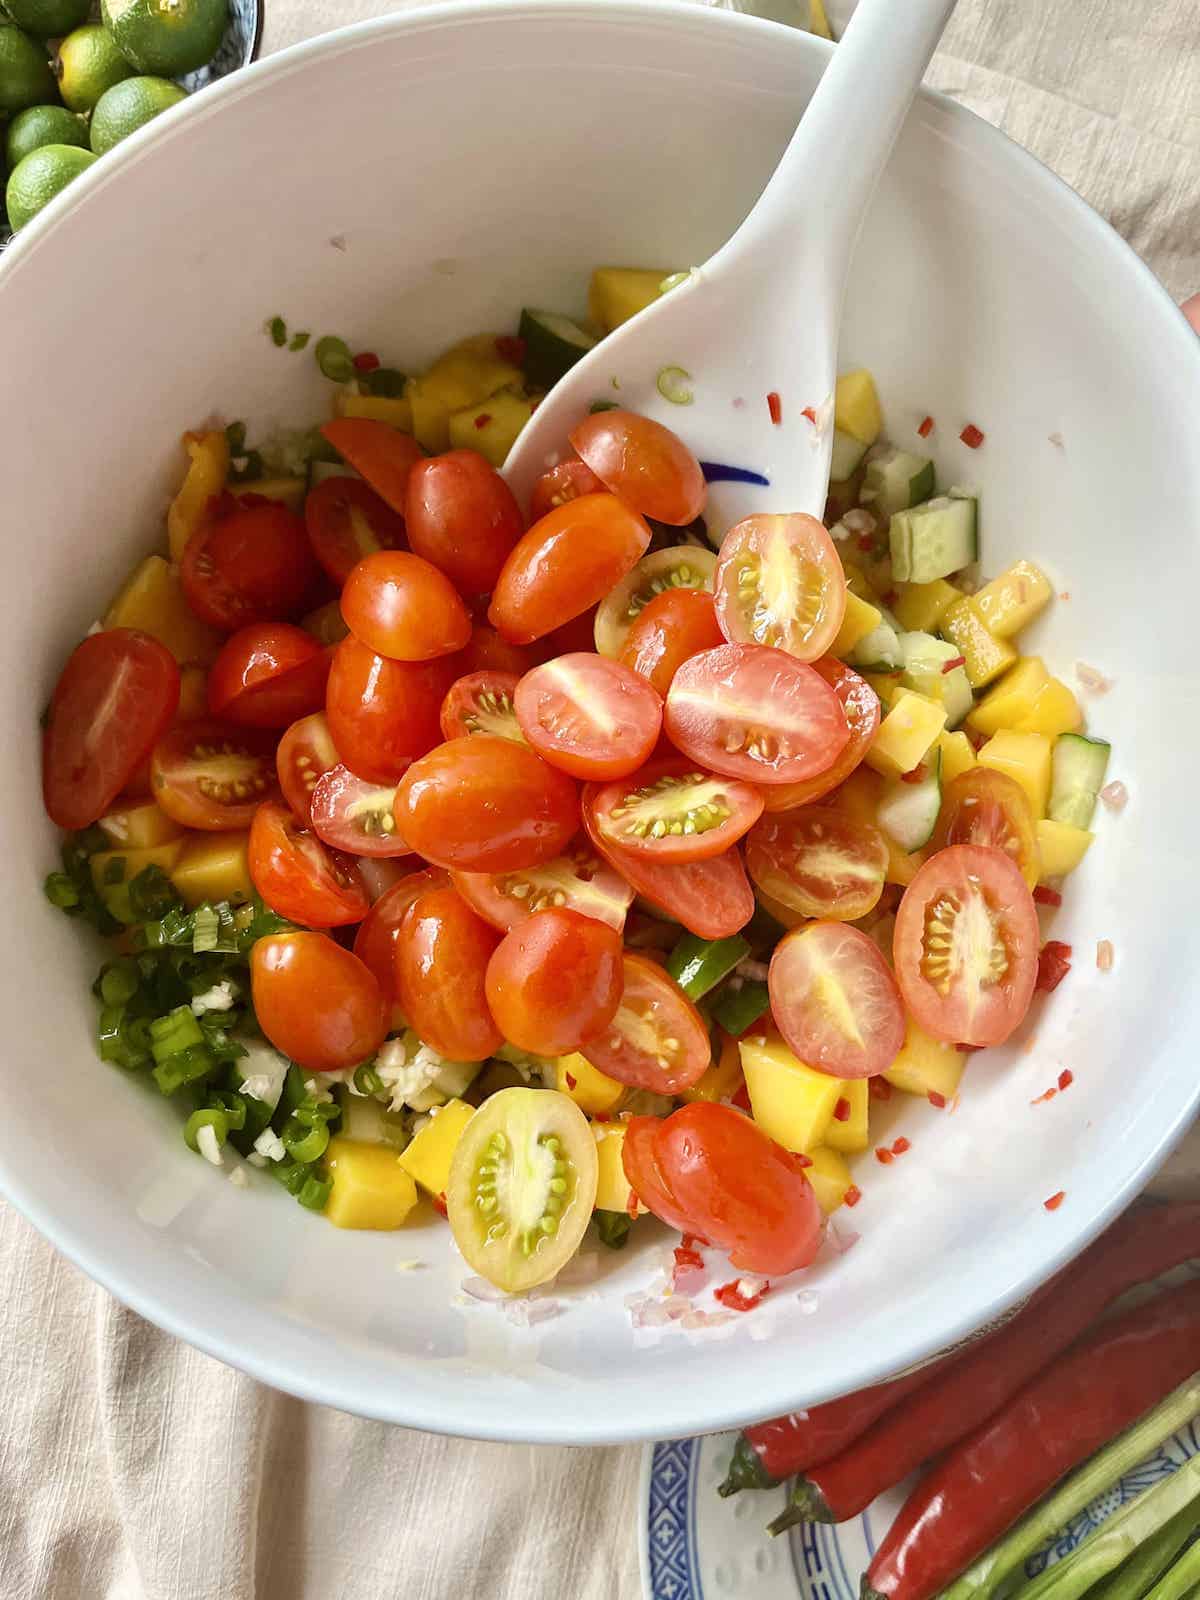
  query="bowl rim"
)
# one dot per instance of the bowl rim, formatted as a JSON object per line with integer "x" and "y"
{"x": 327, "y": 1384}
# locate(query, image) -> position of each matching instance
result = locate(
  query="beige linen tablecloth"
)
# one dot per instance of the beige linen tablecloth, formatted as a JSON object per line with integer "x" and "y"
{"x": 132, "y": 1468}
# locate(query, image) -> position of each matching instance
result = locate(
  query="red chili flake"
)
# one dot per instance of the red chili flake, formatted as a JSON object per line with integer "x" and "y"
{"x": 841, "y": 1111}
{"x": 1047, "y": 897}
{"x": 865, "y": 541}
{"x": 1054, "y": 962}
{"x": 730, "y": 1294}
{"x": 890, "y": 598}
{"x": 971, "y": 436}
{"x": 601, "y": 1116}
{"x": 1055, "y": 1200}
{"x": 901, "y": 1147}
{"x": 1041, "y": 1100}
{"x": 880, "y": 1088}
{"x": 687, "y": 1261}
{"x": 571, "y": 1082}
{"x": 691, "y": 1240}
{"x": 1066, "y": 1078}
{"x": 926, "y": 427}
{"x": 482, "y": 420}
{"x": 937, "y": 1098}
{"x": 884, "y": 1156}
{"x": 366, "y": 361}
{"x": 852, "y": 1195}
{"x": 953, "y": 663}
{"x": 775, "y": 407}
{"x": 742, "y": 1098}
{"x": 810, "y": 414}
{"x": 439, "y": 1203}
{"x": 510, "y": 348}
{"x": 917, "y": 775}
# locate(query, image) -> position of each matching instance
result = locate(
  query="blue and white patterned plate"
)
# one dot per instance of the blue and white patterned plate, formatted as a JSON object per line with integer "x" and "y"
{"x": 696, "y": 1546}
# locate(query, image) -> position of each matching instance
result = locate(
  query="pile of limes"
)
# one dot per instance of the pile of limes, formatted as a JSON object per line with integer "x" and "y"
{"x": 70, "y": 89}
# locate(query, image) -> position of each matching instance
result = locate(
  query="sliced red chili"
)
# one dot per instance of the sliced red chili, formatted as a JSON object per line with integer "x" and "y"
{"x": 775, "y": 407}
{"x": 971, "y": 436}
{"x": 926, "y": 427}
{"x": 953, "y": 663}
{"x": 1047, "y": 897}
{"x": 841, "y": 1111}
{"x": 730, "y": 1294}
{"x": 852, "y": 1195}
{"x": 365, "y": 361}
{"x": 884, "y": 1156}
{"x": 1054, "y": 962}
{"x": 937, "y": 1098}
{"x": 900, "y": 1147}
{"x": 1066, "y": 1078}
{"x": 1055, "y": 1200}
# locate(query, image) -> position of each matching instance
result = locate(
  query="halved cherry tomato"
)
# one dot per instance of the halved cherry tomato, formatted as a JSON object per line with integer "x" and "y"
{"x": 356, "y": 816}
{"x": 860, "y": 706}
{"x": 251, "y": 563}
{"x": 646, "y": 464}
{"x": 117, "y": 694}
{"x": 554, "y": 980}
{"x": 819, "y": 862}
{"x": 404, "y": 608}
{"x": 375, "y": 941}
{"x": 317, "y": 1004}
{"x": 300, "y": 878}
{"x": 384, "y": 714}
{"x": 208, "y": 775}
{"x": 568, "y": 561}
{"x": 462, "y": 516}
{"x": 268, "y": 675}
{"x": 656, "y": 1039}
{"x": 672, "y": 628}
{"x": 486, "y": 651}
{"x": 755, "y": 713}
{"x": 589, "y": 716}
{"x": 482, "y": 702}
{"x": 442, "y": 954}
{"x": 669, "y": 811}
{"x": 578, "y": 880}
{"x": 966, "y": 945}
{"x": 486, "y": 805}
{"x": 347, "y": 520}
{"x": 780, "y": 582}
{"x": 986, "y": 807}
{"x": 305, "y": 752}
{"x": 835, "y": 1001}
{"x": 383, "y": 455}
{"x": 567, "y": 481}
{"x": 708, "y": 1170}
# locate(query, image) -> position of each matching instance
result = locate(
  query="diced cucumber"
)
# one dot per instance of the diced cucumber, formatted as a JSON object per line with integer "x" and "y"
{"x": 847, "y": 456}
{"x": 908, "y": 812}
{"x": 923, "y": 662}
{"x": 452, "y": 1081}
{"x": 879, "y": 651}
{"x": 933, "y": 540}
{"x": 370, "y": 1121}
{"x": 553, "y": 344}
{"x": 896, "y": 481}
{"x": 1078, "y": 765}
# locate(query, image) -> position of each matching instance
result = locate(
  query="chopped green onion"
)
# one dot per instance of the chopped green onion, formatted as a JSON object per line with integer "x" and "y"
{"x": 597, "y": 406}
{"x": 1136, "y": 1577}
{"x": 312, "y": 1111}
{"x": 277, "y": 328}
{"x": 673, "y": 280}
{"x": 299, "y": 340}
{"x": 178, "y": 1030}
{"x": 314, "y": 1193}
{"x": 334, "y": 359}
{"x": 210, "y": 1117}
{"x": 125, "y": 1042}
{"x": 613, "y": 1228}
{"x": 367, "y": 1080}
{"x": 1183, "y": 1579}
{"x": 304, "y": 1144}
{"x": 119, "y": 983}
{"x": 739, "y": 1009}
{"x": 61, "y": 891}
{"x": 385, "y": 382}
{"x": 698, "y": 965}
{"x": 232, "y": 1105}
{"x": 293, "y": 1093}
{"x": 206, "y": 927}
{"x": 151, "y": 893}
{"x": 185, "y": 1066}
{"x": 235, "y": 438}
{"x": 291, "y": 1174}
{"x": 675, "y": 385}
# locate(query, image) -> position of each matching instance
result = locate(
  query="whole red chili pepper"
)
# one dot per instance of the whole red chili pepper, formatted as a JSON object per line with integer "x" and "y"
{"x": 980, "y": 1488}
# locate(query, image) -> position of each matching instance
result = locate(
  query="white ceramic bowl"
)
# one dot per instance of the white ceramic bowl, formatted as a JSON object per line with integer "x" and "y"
{"x": 468, "y": 160}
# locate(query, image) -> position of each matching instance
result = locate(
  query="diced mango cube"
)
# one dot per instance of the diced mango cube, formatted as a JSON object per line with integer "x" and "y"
{"x": 904, "y": 737}
{"x": 428, "y": 1157}
{"x": 886, "y": 685}
{"x": 861, "y": 618}
{"x": 789, "y": 1101}
{"x": 463, "y": 376}
{"x": 985, "y": 656}
{"x": 591, "y": 1090}
{"x": 612, "y": 1186}
{"x": 114, "y": 870}
{"x": 1011, "y": 698}
{"x": 153, "y": 600}
{"x": 818, "y": 21}
{"x": 829, "y": 1176}
{"x": 1061, "y": 847}
{"x": 852, "y": 1133}
{"x": 957, "y": 756}
{"x": 193, "y": 694}
{"x": 1012, "y": 600}
{"x": 856, "y": 406}
{"x": 208, "y": 468}
{"x": 1054, "y": 710}
{"x": 140, "y": 827}
{"x": 287, "y": 492}
{"x": 491, "y": 427}
{"x": 920, "y": 607}
{"x": 370, "y": 1187}
{"x": 1025, "y": 757}
{"x": 926, "y": 1065}
{"x": 214, "y": 867}
{"x": 395, "y": 410}
{"x": 617, "y": 293}
{"x": 856, "y": 580}
{"x": 723, "y": 1079}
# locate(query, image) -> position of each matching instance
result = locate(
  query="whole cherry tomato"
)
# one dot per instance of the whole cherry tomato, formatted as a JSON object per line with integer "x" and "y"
{"x": 298, "y": 877}
{"x": 463, "y": 518}
{"x": 672, "y": 628}
{"x": 555, "y": 979}
{"x": 646, "y": 464}
{"x": 250, "y": 563}
{"x": 383, "y": 455}
{"x": 442, "y": 954}
{"x": 486, "y": 651}
{"x": 317, "y": 1004}
{"x": 347, "y": 520}
{"x": 268, "y": 675}
{"x": 404, "y": 608}
{"x": 384, "y": 714}
{"x": 375, "y": 941}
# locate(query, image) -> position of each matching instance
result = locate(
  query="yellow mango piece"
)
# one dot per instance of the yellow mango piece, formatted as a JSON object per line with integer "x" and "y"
{"x": 986, "y": 657}
{"x": 430, "y": 418}
{"x": 617, "y": 293}
{"x": 208, "y": 468}
{"x": 213, "y": 867}
{"x": 591, "y": 1089}
{"x": 957, "y": 756}
{"x": 856, "y": 581}
{"x": 153, "y": 600}
{"x": 920, "y": 607}
{"x": 193, "y": 694}
{"x": 1011, "y": 601}
{"x": 492, "y": 427}
{"x": 829, "y": 1176}
{"x": 370, "y": 1187}
{"x": 789, "y": 1101}
{"x": 856, "y": 406}
{"x": 1061, "y": 847}
{"x": 723, "y": 1079}
{"x": 1007, "y": 701}
{"x": 140, "y": 827}
{"x": 859, "y": 798}
{"x": 114, "y": 870}
{"x": 288, "y": 492}
{"x": 1054, "y": 710}
{"x": 906, "y": 734}
{"x": 326, "y": 623}
{"x": 1025, "y": 757}
{"x": 852, "y": 1134}
{"x": 926, "y": 1065}
{"x": 612, "y": 1186}
{"x": 861, "y": 618}
{"x": 818, "y": 22}
{"x": 469, "y": 372}
{"x": 886, "y": 685}
{"x": 428, "y": 1156}
{"x": 396, "y": 410}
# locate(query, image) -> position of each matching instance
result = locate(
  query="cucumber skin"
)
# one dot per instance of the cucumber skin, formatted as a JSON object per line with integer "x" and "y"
{"x": 547, "y": 355}
{"x": 1078, "y": 769}
{"x": 911, "y": 796}
{"x": 909, "y": 563}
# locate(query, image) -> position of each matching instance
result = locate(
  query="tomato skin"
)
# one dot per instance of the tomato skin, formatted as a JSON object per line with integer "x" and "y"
{"x": 791, "y": 858}
{"x": 355, "y": 816}
{"x": 639, "y": 1159}
{"x": 317, "y": 1003}
{"x": 346, "y": 520}
{"x": 249, "y": 564}
{"x": 484, "y": 804}
{"x": 304, "y": 753}
{"x": 568, "y": 561}
{"x": 578, "y": 880}
{"x": 383, "y": 455}
{"x": 646, "y": 464}
{"x": 655, "y": 1039}
{"x": 481, "y": 702}
{"x": 806, "y": 624}
{"x": 268, "y": 675}
{"x": 442, "y": 954}
{"x": 673, "y": 627}
{"x": 567, "y": 481}
{"x": 555, "y": 979}
{"x": 375, "y": 941}
{"x": 211, "y": 776}
{"x": 463, "y": 518}
{"x": 384, "y": 714}
{"x": 673, "y": 790}
{"x": 298, "y": 877}
{"x": 486, "y": 651}
{"x": 404, "y": 608}
{"x": 589, "y": 716}
{"x": 985, "y": 807}
{"x": 821, "y": 957}
{"x": 116, "y": 696}
{"x": 860, "y": 707}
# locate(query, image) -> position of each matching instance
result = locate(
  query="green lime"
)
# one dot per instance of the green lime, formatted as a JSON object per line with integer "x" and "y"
{"x": 25, "y": 76}
{"x": 166, "y": 36}
{"x": 40, "y": 125}
{"x": 48, "y": 19}
{"x": 129, "y": 105}
{"x": 39, "y": 177}
{"x": 88, "y": 63}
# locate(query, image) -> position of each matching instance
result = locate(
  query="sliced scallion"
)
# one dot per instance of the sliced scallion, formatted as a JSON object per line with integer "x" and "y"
{"x": 277, "y": 328}
{"x": 675, "y": 385}
{"x": 206, "y": 930}
{"x": 298, "y": 341}
{"x": 673, "y": 280}
{"x": 209, "y": 1117}
{"x": 333, "y": 357}
{"x": 313, "y": 1194}
{"x": 305, "y": 1144}
{"x": 367, "y": 1079}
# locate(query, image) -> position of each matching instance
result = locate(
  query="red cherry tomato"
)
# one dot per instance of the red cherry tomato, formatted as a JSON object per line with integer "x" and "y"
{"x": 462, "y": 516}
{"x": 578, "y": 880}
{"x": 317, "y": 1004}
{"x": 486, "y": 805}
{"x": 860, "y": 707}
{"x": 482, "y": 702}
{"x": 835, "y": 1001}
{"x": 578, "y": 634}
{"x": 755, "y": 713}
{"x": 819, "y": 862}
{"x": 249, "y": 564}
{"x": 486, "y": 651}
{"x": 780, "y": 582}
{"x": 966, "y": 945}
{"x": 375, "y": 941}
{"x": 268, "y": 675}
{"x": 671, "y": 812}
{"x": 210, "y": 776}
{"x": 567, "y": 481}
{"x": 590, "y": 716}
{"x": 442, "y": 955}
{"x": 351, "y": 814}
{"x": 568, "y": 561}
{"x": 383, "y": 455}
{"x": 646, "y": 464}
{"x": 983, "y": 806}
{"x": 384, "y": 714}
{"x": 554, "y": 980}
{"x": 117, "y": 695}
{"x": 305, "y": 752}
{"x": 656, "y": 1039}
{"x": 726, "y": 1181}
{"x": 673, "y": 627}
{"x": 347, "y": 520}
{"x": 298, "y": 877}
{"x": 404, "y": 608}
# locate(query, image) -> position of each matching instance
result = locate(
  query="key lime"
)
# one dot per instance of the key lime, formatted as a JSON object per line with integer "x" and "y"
{"x": 40, "y": 125}
{"x": 88, "y": 62}
{"x": 43, "y": 173}
{"x": 129, "y": 105}
{"x": 166, "y": 36}
{"x": 48, "y": 19}
{"x": 25, "y": 76}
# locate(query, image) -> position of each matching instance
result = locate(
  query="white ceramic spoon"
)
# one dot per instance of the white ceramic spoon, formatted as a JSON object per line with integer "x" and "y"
{"x": 761, "y": 317}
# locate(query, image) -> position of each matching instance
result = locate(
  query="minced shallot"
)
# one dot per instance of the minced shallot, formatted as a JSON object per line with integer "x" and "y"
{"x": 1115, "y": 795}
{"x": 1091, "y": 679}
